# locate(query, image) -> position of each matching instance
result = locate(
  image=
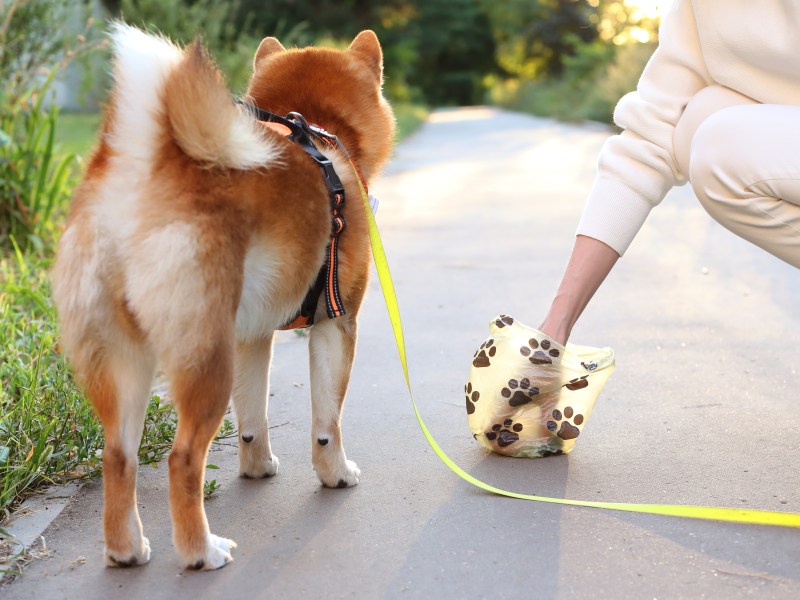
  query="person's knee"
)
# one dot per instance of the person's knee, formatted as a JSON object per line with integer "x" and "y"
{"x": 717, "y": 161}
{"x": 706, "y": 103}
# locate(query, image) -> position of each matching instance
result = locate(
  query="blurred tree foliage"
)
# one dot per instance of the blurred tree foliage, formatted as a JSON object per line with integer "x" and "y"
{"x": 535, "y": 37}
{"x": 34, "y": 41}
{"x": 435, "y": 51}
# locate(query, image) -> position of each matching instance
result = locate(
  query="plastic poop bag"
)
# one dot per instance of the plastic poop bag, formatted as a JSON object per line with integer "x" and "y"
{"x": 529, "y": 396}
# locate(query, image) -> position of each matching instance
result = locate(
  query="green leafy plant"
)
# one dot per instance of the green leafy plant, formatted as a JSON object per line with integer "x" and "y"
{"x": 32, "y": 41}
{"x": 160, "y": 426}
{"x": 47, "y": 432}
{"x": 226, "y": 430}
{"x": 34, "y": 179}
{"x": 35, "y": 46}
{"x": 211, "y": 486}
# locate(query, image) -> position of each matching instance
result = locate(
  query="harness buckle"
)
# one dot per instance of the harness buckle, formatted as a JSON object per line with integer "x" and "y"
{"x": 302, "y": 137}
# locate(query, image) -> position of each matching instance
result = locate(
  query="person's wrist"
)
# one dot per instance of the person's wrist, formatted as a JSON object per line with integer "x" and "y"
{"x": 556, "y": 329}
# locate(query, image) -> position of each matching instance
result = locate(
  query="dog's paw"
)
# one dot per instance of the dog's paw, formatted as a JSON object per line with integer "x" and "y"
{"x": 217, "y": 554}
{"x": 140, "y": 556}
{"x": 347, "y": 475}
{"x": 252, "y": 468}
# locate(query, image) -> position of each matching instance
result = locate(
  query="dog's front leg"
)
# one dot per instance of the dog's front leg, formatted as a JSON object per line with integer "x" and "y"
{"x": 250, "y": 399}
{"x": 332, "y": 347}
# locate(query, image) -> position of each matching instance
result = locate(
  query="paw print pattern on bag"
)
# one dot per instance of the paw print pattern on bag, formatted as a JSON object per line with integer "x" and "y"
{"x": 472, "y": 397}
{"x": 519, "y": 392}
{"x": 536, "y": 396}
{"x": 484, "y": 353}
{"x": 506, "y": 434}
{"x": 540, "y": 353}
{"x": 568, "y": 430}
{"x": 578, "y": 383}
{"x": 504, "y": 321}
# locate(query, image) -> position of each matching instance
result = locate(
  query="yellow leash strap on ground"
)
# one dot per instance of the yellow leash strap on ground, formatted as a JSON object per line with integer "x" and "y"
{"x": 758, "y": 517}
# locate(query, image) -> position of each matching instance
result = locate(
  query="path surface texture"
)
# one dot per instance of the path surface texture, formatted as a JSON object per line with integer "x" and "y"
{"x": 478, "y": 211}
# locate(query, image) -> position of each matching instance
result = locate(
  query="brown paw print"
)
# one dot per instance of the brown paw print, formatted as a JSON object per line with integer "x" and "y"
{"x": 519, "y": 392}
{"x": 504, "y": 321}
{"x": 484, "y": 353}
{"x": 577, "y": 384}
{"x": 505, "y": 434}
{"x": 568, "y": 431}
{"x": 472, "y": 397}
{"x": 540, "y": 353}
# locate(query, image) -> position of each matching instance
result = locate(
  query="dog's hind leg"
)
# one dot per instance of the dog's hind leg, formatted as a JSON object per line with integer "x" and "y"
{"x": 332, "y": 347}
{"x": 250, "y": 399}
{"x": 119, "y": 387}
{"x": 114, "y": 365}
{"x": 200, "y": 392}
{"x": 185, "y": 286}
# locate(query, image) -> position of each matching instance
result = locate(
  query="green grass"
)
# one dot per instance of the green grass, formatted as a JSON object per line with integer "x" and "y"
{"x": 76, "y": 133}
{"x": 47, "y": 432}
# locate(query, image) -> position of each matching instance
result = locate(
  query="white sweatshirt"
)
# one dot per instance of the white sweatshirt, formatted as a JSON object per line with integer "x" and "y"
{"x": 750, "y": 46}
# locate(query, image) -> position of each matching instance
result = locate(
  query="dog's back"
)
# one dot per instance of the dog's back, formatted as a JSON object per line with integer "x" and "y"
{"x": 193, "y": 235}
{"x": 181, "y": 183}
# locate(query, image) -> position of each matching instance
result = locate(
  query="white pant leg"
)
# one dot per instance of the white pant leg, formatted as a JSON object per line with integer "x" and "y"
{"x": 743, "y": 162}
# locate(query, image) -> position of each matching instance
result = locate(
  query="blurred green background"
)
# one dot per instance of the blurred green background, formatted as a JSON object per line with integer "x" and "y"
{"x": 570, "y": 59}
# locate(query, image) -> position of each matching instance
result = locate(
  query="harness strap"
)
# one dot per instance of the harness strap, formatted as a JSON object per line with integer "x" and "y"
{"x": 327, "y": 281}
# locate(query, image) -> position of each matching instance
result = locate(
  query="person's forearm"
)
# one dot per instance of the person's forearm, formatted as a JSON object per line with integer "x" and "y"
{"x": 590, "y": 263}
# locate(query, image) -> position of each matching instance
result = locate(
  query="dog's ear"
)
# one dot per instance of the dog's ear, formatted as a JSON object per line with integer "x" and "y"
{"x": 367, "y": 46}
{"x": 267, "y": 47}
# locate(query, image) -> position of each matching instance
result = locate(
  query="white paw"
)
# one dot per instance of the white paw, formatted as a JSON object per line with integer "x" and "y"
{"x": 347, "y": 475}
{"x": 140, "y": 556}
{"x": 257, "y": 469}
{"x": 216, "y": 555}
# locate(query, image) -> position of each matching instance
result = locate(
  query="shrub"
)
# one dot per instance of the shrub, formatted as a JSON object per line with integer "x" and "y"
{"x": 589, "y": 89}
{"x": 34, "y": 180}
{"x": 47, "y": 432}
{"x": 31, "y": 42}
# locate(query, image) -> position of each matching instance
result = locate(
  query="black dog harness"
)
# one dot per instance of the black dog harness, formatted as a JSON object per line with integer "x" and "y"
{"x": 327, "y": 281}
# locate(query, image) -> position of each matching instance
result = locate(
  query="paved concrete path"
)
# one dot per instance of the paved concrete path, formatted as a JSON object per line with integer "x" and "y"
{"x": 478, "y": 211}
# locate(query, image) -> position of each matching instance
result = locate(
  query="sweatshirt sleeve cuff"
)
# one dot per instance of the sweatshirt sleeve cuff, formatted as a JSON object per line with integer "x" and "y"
{"x": 614, "y": 213}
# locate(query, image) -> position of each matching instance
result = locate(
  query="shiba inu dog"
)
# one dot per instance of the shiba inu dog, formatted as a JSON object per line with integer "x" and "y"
{"x": 194, "y": 235}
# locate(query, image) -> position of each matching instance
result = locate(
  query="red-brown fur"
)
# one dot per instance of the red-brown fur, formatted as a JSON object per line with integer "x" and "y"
{"x": 207, "y": 217}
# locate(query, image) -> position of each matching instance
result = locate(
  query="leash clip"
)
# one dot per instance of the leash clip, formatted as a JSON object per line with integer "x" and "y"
{"x": 315, "y": 130}
{"x": 303, "y": 137}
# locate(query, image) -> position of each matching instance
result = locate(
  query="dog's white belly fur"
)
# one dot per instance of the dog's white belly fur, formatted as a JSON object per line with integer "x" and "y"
{"x": 262, "y": 308}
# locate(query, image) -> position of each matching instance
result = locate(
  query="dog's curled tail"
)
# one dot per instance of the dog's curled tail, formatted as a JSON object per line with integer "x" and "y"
{"x": 206, "y": 123}
{"x": 163, "y": 90}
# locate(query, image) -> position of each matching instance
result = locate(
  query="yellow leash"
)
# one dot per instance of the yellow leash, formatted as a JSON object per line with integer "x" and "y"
{"x": 759, "y": 517}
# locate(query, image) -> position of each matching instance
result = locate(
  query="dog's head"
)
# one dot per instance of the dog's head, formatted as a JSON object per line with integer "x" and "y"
{"x": 339, "y": 90}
